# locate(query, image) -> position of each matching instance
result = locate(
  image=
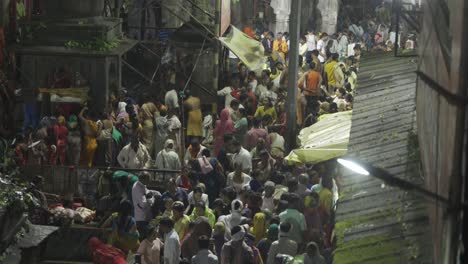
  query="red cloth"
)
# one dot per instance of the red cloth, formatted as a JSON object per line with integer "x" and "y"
{"x": 105, "y": 254}
{"x": 21, "y": 157}
{"x": 253, "y": 135}
{"x": 185, "y": 182}
{"x": 224, "y": 126}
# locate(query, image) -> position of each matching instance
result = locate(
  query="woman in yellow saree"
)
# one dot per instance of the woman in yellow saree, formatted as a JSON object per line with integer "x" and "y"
{"x": 91, "y": 130}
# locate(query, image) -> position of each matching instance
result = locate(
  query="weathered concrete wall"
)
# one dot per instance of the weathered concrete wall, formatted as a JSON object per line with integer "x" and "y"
{"x": 4, "y": 15}
{"x": 440, "y": 122}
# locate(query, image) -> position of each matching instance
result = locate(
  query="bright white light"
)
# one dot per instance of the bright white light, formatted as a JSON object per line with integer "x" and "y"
{"x": 353, "y": 166}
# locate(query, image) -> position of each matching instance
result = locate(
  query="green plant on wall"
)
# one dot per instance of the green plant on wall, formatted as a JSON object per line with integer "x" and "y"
{"x": 97, "y": 44}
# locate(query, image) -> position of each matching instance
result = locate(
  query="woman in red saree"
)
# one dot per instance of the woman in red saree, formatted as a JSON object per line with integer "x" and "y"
{"x": 223, "y": 127}
{"x": 61, "y": 133}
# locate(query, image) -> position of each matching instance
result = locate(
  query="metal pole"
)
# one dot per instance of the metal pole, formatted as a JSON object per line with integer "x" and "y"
{"x": 291, "y": 102}
{"x": 217, "y": 46}
{"x": 397, "y": 22}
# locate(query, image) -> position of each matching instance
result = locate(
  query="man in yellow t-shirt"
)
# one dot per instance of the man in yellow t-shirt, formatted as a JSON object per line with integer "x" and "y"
{"x": 181, "y": 220}
{"x": 330, "y": 72}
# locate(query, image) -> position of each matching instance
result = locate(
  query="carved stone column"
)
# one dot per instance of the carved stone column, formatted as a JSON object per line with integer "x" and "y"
{"x": 281, "y": 8}
{"x": 329, "y": 11}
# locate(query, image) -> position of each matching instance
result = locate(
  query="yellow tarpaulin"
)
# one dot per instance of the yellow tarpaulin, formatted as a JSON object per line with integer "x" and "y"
{"x": 325, "y": 140}
{"x": 248, "y": 50}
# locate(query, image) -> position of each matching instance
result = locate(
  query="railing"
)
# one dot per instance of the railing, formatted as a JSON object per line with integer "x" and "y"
{"x": 412, "y": 20}
{"x": 83, "y": 181}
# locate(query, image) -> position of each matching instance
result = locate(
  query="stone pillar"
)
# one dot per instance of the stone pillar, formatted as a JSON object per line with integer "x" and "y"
{"x": 329, "y": 11}
{"x": 281, "y": 8}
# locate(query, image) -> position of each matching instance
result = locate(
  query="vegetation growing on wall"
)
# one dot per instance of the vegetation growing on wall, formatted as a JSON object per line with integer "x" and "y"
{"x": 97, "y": 44}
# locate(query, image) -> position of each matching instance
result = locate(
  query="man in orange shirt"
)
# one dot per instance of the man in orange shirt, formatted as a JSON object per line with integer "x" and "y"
{"x": 310, "y": 83}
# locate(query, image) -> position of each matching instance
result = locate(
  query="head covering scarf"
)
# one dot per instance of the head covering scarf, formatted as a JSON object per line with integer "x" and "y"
{"x": 219, "y": 237}
{"x": 239, "y": 235}
{"x": 273, "y": 232}
{"x": 219, "y": 228}
{"x": 61, "y": 120}
{"x": 225, "y": 124}
{"x": 207, "y": 121}
{"x": 72, "y": 122}
{"x": 121, "y": 107}
{"x": 122, "y": 113}
{"x": 236, "y": 215}
{"x": 259, "y": 227}
{"x": 148, "y": 110}
{"x": 106, "y": 132}
{"x": 167, "y": 143}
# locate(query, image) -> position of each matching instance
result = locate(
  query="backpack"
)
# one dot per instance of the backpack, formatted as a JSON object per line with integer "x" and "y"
{"x": 205, "y": 165}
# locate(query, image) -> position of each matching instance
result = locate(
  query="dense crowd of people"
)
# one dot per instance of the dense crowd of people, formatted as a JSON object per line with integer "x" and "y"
{"x": 229, "y": 196}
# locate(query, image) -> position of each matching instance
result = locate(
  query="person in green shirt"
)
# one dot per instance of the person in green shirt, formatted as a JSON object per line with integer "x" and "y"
{"x": 202, "y": 210}
{"x": 241, "y": 126}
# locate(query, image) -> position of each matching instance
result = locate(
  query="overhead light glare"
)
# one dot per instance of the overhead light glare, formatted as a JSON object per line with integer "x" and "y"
{"x": 353, "y": 166}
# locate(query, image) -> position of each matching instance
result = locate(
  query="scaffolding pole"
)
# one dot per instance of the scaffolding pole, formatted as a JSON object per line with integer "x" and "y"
{"x": 291, "y": 101}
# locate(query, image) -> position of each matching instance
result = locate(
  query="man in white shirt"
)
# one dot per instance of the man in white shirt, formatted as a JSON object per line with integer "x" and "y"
{"x": 171, "y": 241}
{"x": 241, "y": 156}
{"x": 262, "y": 87}
{"x": 194, "y": 151}
{"x": 134, "y": 155}
{"x": 267, "y": 195}
{"x": 311, "y": 45}
{"x": 226, "y": 91}
{"x": 171, "y": 100}
{"x": 303, "y": 47}
{"x": 343, "y": 44}
{"x": 334, "y": 45}
{"x": 321, "y": 47}
{"x": 142, "y": 202}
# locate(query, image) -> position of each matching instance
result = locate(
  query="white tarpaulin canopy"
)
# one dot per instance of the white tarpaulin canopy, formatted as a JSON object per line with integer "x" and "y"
{"x": 324, "y": 140}
{"x": 247, "y": 49}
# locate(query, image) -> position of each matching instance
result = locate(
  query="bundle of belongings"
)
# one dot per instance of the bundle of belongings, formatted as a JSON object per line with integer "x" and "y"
{"x": 68, "y": 213}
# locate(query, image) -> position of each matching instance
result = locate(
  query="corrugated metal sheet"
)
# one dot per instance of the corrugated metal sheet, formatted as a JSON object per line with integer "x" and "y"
{"x": 378, "y": 223}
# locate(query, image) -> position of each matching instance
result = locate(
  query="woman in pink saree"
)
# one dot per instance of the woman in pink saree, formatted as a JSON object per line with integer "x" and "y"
{"x": 224, "y": 126}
